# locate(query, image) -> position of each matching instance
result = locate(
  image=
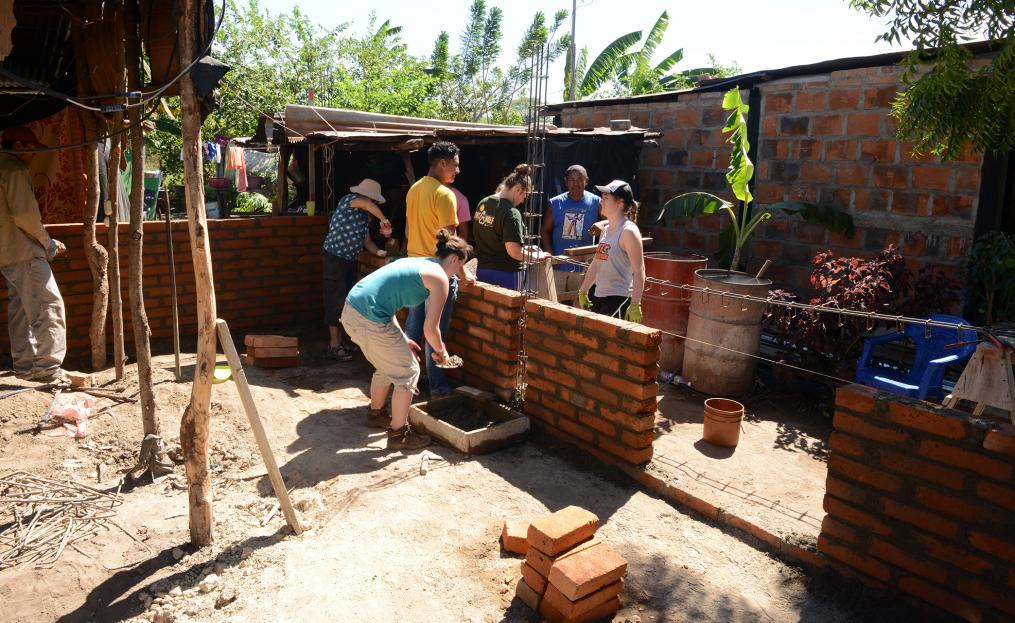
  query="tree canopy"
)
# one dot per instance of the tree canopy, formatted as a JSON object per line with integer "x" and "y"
{"x": 950, "y": 101}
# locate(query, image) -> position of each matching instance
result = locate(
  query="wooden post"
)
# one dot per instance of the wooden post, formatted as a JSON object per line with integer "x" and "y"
{"x": 97, "y": 257}
{"x": 281, "y": 185}
{"x": 138, "y": 314}
{"x": 311, "y": 180}
{"x": 194, "y": 425}
{"x": 240, "y": 377}
{"x": 118, "y": 60}
{"x": 172, "y": 293}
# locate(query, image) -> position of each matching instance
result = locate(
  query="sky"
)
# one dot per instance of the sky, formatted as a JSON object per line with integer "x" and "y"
{"x": 753, "y": 34}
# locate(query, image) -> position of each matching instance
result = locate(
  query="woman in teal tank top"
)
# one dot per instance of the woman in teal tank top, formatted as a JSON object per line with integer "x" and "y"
{"x": 369, "y": 319}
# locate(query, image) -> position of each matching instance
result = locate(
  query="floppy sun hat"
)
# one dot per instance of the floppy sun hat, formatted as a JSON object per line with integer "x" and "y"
{"x": 369, "y": 188}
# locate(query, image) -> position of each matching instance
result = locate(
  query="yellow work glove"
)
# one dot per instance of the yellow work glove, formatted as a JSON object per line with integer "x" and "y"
{"x": 583, "y": 301}
{"x": 633, "y": 313}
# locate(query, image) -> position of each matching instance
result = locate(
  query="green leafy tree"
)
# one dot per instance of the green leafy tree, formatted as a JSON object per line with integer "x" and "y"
{"x": 470, "y": 85}
{"x": 949, "y": 101}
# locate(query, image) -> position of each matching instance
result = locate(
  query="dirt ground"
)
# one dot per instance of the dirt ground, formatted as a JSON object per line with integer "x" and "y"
{"x": 774, "y": 477}
{"x": 393, "y": 536}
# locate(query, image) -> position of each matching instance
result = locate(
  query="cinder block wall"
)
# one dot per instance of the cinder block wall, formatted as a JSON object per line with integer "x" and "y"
{"x": 824, "y": 138}
{"x": 921, "y": 498}
{"x": 267, "y": 273}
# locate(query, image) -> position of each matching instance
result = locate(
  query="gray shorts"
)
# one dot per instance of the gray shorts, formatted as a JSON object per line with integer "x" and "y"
{"x": 385, "y": 348}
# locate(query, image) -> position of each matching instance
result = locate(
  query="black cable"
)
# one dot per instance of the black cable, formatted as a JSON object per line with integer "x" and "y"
{"x": 103, "y": 137}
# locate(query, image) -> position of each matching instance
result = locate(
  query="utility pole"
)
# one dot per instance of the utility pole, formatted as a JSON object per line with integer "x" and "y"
{"x": 574, "y": 52}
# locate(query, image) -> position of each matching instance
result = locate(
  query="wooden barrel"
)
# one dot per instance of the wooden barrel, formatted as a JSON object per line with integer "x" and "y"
{"x": 665, "y": 307}
{"x": 718, "y": 325}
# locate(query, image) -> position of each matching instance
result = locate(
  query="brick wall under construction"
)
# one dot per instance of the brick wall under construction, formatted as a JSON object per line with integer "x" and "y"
{"x": 920, "y": 498}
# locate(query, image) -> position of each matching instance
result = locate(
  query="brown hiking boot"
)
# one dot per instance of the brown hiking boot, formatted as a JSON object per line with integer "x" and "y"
{"x": 406, "y": 439}
{"x": 378, "y": 418}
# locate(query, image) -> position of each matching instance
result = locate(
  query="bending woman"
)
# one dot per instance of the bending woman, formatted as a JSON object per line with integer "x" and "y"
{"x": 369, "y": 319}
{"x": 615, "y": 281}
{"x": 499, "y": 232}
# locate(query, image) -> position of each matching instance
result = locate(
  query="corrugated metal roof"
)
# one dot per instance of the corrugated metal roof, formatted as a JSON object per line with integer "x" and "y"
{"x": 316, "y": 124}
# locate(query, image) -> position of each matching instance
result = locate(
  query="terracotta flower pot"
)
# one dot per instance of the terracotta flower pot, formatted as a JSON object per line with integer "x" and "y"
{"x": 722, "y": 422}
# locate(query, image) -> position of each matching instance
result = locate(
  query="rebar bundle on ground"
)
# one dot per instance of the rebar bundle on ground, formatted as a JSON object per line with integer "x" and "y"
{"x": 46, "y": 516}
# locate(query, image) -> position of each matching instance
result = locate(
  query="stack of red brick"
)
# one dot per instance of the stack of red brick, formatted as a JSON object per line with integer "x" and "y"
{"x": 271, "y": 351}
{"x": 568, "y": 574}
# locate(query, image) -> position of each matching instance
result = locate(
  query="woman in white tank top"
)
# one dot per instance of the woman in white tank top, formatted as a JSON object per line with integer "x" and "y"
{"x": 617, "y": 272}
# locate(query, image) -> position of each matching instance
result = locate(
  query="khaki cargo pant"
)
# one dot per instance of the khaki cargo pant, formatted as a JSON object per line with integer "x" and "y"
{"x": 36, "y": 320}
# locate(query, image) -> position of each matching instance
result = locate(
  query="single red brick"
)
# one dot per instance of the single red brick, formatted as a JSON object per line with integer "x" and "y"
{"x": 627, "y": 454}
{"x": 587, "y": 571}
{"x": 992, "y": 545}
{"x": 854, "y": 559}
{"x": 513, "y": 536}
{"x": 979, "y": 590}
{"x": 856, "y": 398}
{"x": 962, "y": 558}
{"x": 858, "y": 472}
{"x": 1002, "y": 440}
{"x": 840, "y": 442}
{"x": 925, "y": 520}
{"x": 541, "y": 562}
{"x": 898, "y": 557}
{"x": 924, "y": 470}
{"x": 562, "y": 530}
{"x": 528, "y": 596}
{"x": 850, "y": 515}
{"x": 574, "y": 609}
{"x": 533, "y": 579}
{"x": 997, "y": 494}
{"x": 987, "y": 466}
{"x": 845, "y": 491}
{"x": 938, "y": 422}
{"x": 941, "y": 597}
{"x": 833, "y": 527}
{"x": 861, "y": 428}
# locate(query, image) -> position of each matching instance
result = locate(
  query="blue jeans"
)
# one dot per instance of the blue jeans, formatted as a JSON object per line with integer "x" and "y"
{"x": 414, "y": 329}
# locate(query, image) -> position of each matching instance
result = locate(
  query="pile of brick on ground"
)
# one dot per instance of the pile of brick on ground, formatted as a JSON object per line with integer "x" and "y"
{"x": 568, "y": 573}
{"x": 271, "y": 351}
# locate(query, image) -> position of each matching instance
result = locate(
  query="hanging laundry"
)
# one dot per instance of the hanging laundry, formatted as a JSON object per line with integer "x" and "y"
{"x": 237, "y": 162}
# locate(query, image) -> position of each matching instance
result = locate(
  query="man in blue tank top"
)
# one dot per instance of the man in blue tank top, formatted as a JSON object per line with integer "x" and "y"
{"x": 566, "y": 224}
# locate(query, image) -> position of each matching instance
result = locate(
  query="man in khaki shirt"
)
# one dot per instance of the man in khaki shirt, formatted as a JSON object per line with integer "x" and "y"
{"x": 35, "y": 314}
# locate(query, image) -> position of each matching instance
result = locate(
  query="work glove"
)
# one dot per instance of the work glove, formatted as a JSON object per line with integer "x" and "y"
{"x": 633, "y": 313}
{"x": 583, "y": 301}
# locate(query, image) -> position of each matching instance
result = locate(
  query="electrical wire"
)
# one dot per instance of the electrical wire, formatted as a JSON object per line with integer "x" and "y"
{"x": 92, "y": 141}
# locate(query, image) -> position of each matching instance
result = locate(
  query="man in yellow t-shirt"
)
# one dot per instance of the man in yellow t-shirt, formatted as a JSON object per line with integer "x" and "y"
{"x": 430, "y": 205}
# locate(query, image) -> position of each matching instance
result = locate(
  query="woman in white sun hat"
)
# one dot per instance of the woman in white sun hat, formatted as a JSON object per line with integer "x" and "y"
{"x": 348, "y": 234}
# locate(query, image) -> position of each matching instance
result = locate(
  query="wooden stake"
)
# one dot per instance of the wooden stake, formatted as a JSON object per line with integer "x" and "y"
{"x": 240, "y": 377}
{"x": 194, "y": 425}
{"x": 172, "y": 293}
{"x": 138, "y": 314}
{"x": 118, "y": 60}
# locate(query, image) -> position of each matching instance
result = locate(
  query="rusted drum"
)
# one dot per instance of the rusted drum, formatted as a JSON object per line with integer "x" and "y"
{"x": 665, "y": 307}
{"x": 720, "y": 328}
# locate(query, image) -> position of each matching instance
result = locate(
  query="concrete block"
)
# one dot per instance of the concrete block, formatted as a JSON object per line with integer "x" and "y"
{"x": 587, "y": 571}
{"x": 562, "y": 530}
{"x": 574, "y": 610}
{"x": 513, "y": 535}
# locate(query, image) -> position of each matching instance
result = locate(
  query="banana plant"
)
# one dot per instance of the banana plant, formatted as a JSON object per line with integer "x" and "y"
{"x": 739, "y": 175}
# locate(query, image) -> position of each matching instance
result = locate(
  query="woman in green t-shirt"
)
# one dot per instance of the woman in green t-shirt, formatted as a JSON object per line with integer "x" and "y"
{"x": 499, "y": 232}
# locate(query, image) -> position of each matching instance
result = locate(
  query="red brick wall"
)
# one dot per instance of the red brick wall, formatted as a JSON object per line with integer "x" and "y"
{"x": 921, "y": 498}
{"x": 267, "y": 273}
{"x": 591, "y": 379}
{"x": 823, "y": 138}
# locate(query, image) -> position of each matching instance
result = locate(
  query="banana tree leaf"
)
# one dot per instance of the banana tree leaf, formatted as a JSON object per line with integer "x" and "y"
{"x": 168, "y": 126}
{"x": 655, "y": 36}
{"x": 668, "y": 62}
{"x": 602, "y": 68}
{"x": 832, "y": 218}
{"x": 689, "y": 205}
